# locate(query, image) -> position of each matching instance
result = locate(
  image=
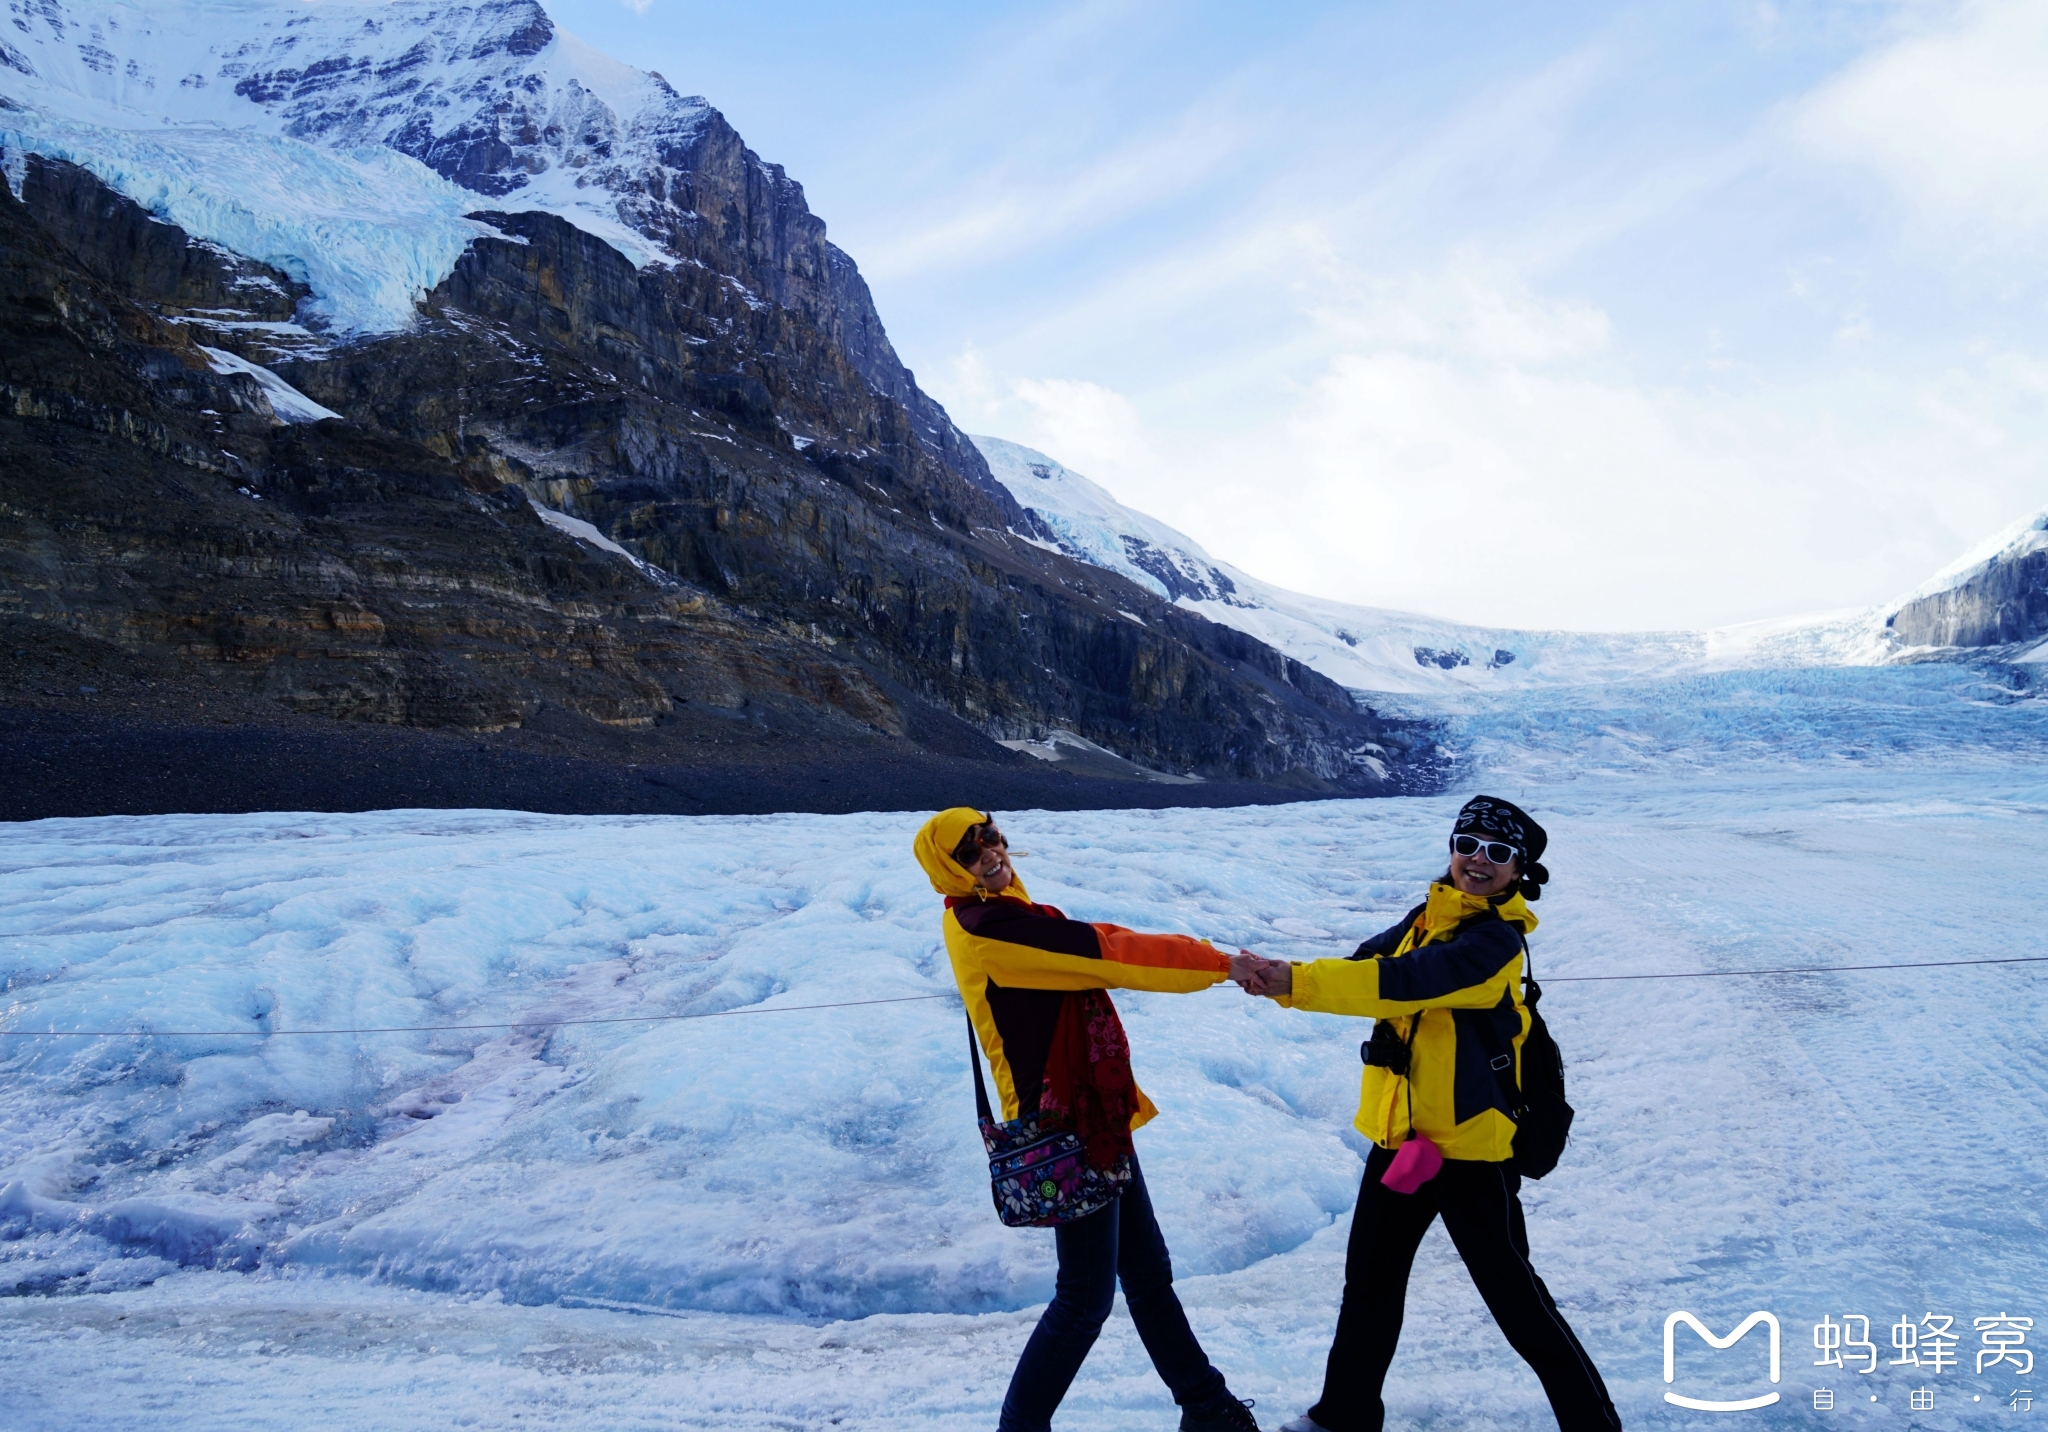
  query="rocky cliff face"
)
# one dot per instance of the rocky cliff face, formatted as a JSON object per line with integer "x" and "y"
{"x": 654, "y": 337}
{"x": 807, "y": 555}
{"x": 864, "y": 537}
{"x": 2001, "y": 601}
{"x": 160, "y": 511}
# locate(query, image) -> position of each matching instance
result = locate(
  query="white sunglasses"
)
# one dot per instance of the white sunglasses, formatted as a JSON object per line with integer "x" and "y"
{"x": 1497, "y": 851}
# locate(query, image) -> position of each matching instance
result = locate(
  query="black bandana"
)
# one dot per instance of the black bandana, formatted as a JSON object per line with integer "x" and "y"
{"x": 1496, "y": 819}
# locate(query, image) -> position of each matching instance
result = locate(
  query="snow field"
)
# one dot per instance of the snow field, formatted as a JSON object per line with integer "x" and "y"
{"x": 286, "y": 402}
{"x": 283, "y": 922}
{"x": 779, "y": 1220}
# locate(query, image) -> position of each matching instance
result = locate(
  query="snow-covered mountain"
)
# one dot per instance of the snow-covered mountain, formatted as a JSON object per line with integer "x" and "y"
{"x": 493, "y": 97}
{"x": 328, "y": 140}
{"x": 345, "y": 142}
{"x": 1995, "y": 596}
{"x": 348, "y": 144}
{"x": 455, "y": 228}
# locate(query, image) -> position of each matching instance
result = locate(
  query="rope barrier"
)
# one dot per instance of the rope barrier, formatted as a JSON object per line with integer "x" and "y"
{"x": 447, "y": 1028}
{"x": 1805, "y": 970}
{"x": 901, "y": 999}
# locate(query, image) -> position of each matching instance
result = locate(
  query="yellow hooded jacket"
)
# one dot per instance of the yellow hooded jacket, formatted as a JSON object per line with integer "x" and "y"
{"x": 1449, "y": 976}
{"x": 1014, "y": 960}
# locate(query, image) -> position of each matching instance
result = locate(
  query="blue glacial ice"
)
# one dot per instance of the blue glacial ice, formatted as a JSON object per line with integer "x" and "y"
{"x": 370, "y": 230}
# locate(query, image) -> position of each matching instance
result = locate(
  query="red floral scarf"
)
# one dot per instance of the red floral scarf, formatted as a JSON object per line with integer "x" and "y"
{"x": 1088, "y": 1077}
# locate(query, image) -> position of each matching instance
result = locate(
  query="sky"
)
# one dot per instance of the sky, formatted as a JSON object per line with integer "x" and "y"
{"x": 1601, "y": 316}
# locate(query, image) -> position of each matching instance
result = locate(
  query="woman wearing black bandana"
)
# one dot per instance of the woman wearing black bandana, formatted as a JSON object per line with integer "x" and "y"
{"x": 1445, "y": 989}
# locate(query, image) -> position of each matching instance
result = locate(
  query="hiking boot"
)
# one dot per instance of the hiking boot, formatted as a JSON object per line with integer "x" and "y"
{"x": 1225, "y": 1414}
{"x": 1303, "y": 1423}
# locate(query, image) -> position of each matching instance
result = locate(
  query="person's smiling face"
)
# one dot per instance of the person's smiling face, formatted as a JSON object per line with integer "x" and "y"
{"x": 1476, "y": 874}
{"x": 990, "y": 866}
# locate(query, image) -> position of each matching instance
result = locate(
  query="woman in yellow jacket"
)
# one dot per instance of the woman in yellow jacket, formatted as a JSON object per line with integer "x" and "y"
{"x": 1035, "y": 984}
{"x": 1445, "y": 987}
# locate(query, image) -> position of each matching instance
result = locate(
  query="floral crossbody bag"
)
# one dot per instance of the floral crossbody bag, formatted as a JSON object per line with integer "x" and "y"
{"x": 1038, "y": 1169}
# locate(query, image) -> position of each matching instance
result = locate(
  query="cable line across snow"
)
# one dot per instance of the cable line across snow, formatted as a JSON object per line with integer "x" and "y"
{"x": 898, "y": 999}
{"x": 451, "y": 1028}
{"x": 1807, "y": 970}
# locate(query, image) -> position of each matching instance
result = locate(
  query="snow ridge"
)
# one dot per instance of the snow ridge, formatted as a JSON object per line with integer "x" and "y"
{"x": 2007, "y": 545}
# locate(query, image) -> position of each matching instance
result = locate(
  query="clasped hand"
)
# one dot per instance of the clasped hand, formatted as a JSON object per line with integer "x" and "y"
{"x": 1254, "y": 974}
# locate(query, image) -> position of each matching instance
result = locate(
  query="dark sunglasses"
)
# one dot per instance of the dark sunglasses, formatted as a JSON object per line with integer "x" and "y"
{"x": 1497, "y": 851}
{"x": 978, "y": 841}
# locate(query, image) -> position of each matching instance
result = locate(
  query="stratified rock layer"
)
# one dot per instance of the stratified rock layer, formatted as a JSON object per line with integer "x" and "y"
{"x": 824, "y": 568}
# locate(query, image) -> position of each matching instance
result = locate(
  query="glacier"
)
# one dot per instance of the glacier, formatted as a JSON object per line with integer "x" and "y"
{"x": 370, "y": 230}
{"x": 292, "y": 132}
{"x": 774, "y": 1215}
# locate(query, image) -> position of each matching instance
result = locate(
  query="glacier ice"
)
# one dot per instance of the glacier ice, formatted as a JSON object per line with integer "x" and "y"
{"x": 777, "y": 1215}
{"x": 587, "y": 533}
{"x": 203, "y": 113}
{"x": 371, "y": 231}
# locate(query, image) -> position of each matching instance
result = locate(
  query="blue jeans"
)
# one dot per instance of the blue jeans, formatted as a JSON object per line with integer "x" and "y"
{"x": 1120, "y": 1243}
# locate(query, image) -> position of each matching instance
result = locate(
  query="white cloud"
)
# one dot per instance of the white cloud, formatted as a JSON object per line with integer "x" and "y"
{"x": 1003, "y": 213}
{"x": 1430, "y": 373}
{"x": 1459, "y": 309}
{"x": 1955, "y": 118}
{"x": 1502, "y": 494}
{"x": 1093, "y": 429}
{"x": 1097, "y": 424}
{"x": 1467, "y": 448}
{"x": 1526, "y": 497}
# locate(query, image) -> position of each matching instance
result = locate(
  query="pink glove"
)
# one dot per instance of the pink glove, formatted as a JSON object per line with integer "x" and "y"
{"x": 1415, "y": 1163}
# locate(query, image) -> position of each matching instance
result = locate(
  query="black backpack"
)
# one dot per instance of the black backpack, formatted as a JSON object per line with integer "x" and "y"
{"x": 1543, "y": 1120}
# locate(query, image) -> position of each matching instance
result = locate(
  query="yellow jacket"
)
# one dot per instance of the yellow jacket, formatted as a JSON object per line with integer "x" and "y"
{"x": 1015, "y": 960}
{"x": 1449, "y": 976}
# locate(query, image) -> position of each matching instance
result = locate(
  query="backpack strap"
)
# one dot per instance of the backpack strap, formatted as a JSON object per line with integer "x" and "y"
{"x": 1504, "y": 1064}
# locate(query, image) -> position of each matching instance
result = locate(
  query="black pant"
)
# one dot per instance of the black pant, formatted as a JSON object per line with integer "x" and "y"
{"x": 1482, "y": 1211}
{"x": 1118, "y": 1243}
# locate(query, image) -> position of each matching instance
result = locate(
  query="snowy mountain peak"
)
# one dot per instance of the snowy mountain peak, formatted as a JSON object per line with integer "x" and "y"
{"x": 1083, "y": 520}
{"x": 347, "y": 144}
{"x": 492, "y": 97}
{"x": 2009, "y": 544}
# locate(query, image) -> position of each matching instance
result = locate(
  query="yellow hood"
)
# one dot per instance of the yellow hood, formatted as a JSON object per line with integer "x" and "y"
{"x": 936, "y": 840}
